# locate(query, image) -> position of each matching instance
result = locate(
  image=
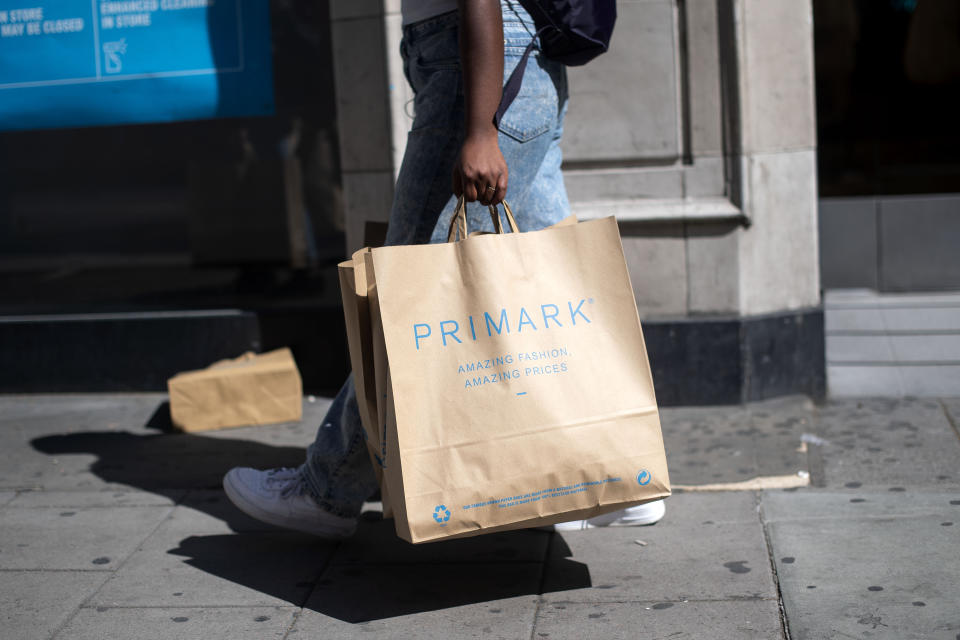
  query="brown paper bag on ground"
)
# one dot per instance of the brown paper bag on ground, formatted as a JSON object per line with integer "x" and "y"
{"x": 519, "y": 391}
{"x": 252, "y": 389}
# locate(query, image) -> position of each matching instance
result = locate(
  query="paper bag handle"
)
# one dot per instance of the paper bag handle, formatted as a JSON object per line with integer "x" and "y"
{"x": 458, "y": 224}
{"x": 495, "y": 216}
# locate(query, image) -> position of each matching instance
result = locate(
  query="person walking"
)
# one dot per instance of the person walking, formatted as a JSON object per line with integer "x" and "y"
{"x": 456, "y": 55}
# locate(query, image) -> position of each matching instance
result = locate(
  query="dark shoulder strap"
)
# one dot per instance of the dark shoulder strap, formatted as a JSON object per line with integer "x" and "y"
{"x": 514, "y": 82}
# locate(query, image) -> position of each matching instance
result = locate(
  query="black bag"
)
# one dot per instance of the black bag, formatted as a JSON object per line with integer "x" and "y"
{"x": 573, "y": 32}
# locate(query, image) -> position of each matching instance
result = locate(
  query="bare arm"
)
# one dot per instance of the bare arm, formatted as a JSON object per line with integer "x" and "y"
{"x": 480, "y": 172}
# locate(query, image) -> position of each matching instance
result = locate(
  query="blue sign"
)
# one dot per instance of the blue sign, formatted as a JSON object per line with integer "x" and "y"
{"x": 66, "y": 63}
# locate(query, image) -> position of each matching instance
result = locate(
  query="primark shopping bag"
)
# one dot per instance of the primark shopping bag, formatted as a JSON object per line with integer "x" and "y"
{"x": 354, "y": 288}
{"x": 516, "y": 390}
{"x": 367, "y": 352}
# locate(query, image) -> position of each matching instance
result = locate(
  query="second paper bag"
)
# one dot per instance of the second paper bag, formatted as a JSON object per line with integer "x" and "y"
{"x": 519, "y": 391}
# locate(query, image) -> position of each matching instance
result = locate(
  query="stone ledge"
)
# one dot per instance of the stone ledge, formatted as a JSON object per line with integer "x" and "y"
{"x": 660, "y": 210}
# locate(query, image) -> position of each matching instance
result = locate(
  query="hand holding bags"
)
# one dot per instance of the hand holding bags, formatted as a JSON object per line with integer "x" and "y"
{"x": 503, "y": 379}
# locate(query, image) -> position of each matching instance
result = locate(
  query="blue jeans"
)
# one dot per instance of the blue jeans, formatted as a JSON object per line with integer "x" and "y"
{"x": 338, "y": 471}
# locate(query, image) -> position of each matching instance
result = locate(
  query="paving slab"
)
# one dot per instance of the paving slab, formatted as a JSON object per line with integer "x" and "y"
{"x": 157, "y": 462}
{"x": 709, "y": 546}
{"x": 22, "y": 467}
{"x": 195, "y": 558}
{"x": 861, "y": 571}
{"x": 503, "y": 619}
{"x": 34, "y": 604}
{"x": 117, "y": 442}
{"x": 707, "y": 445}
{"x": 376, "y": 542}
{"x": 778, "y": 427}
{"x": 951, "y": 407}
{"x": 886, "y": 442}
{"x": 162, "y": 623}
{"x": 29, "y": 422}
{"x": 685, "y": 510}
{"x": 77, "y": 538}
{"x": 758, "y": 619}
{"x": 42, "y": 414}
{"x": 7, "y": 496}
{"x": 855, "y": 502}
{"x": 84, "y": 499}
{"x": 61, "y": 478}
{"x": 422, "y": 600}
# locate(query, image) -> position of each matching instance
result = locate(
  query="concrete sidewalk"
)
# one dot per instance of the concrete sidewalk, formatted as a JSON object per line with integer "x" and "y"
{"x": 111, "y": 527}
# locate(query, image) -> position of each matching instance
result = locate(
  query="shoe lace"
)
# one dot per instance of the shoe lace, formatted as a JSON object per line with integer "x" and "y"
{"x": 288, "y": 481}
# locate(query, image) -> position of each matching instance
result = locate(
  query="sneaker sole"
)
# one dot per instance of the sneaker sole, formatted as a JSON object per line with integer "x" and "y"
{"x": 255, "y": 512}
{"x": 578, "y": 526}
{"x": 583, "y": 525}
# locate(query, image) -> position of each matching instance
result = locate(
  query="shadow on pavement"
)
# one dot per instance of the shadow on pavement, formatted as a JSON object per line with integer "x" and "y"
{"x": 170, "y": 464}
{"x": 425, "y": 578}
{"x": 372, "y": 576}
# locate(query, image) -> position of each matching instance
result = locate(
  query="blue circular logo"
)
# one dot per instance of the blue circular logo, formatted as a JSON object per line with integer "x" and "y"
{"x": 441, "y": 514}
{"x": 644, "y": 477}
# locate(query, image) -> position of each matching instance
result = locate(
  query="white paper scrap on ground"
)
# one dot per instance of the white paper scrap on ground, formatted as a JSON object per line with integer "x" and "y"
{"x": 800, "y": 479}
{"x": 813, "y": 439}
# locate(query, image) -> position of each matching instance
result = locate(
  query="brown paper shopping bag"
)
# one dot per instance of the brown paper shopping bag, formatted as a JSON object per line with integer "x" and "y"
{"x": 356, "y": 311}
{"x": 252, "y": 389}
{"x": 368, "y": 353}
{"x": 367, "y": 358}
{"x": 515, "y": 384}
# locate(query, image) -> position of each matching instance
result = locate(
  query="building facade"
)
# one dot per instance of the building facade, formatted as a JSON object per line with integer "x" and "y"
{"x": 145, "y": 250}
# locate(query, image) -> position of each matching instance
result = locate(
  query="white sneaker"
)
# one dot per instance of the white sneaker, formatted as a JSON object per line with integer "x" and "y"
{"x": 639, "y": 516}
{"x": 279, "y": 497}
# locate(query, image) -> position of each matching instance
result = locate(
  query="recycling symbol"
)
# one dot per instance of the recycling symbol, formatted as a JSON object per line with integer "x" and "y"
{"x": 441, "y": 514}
